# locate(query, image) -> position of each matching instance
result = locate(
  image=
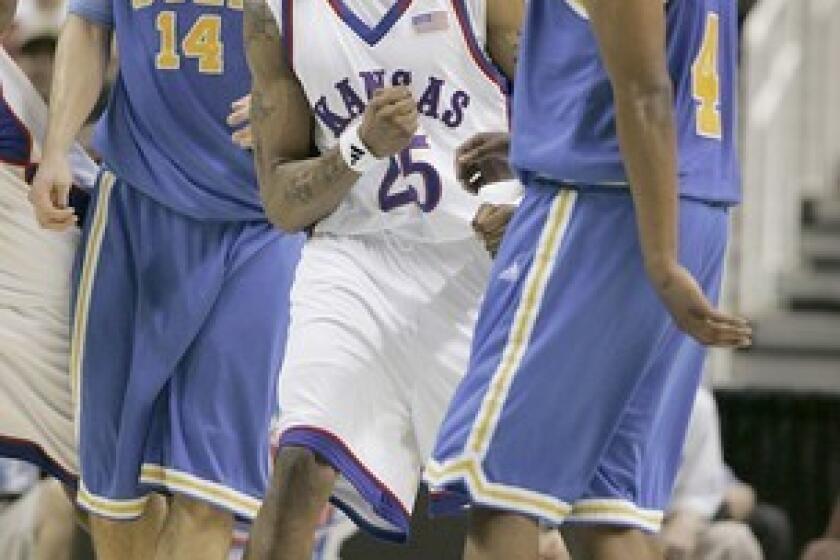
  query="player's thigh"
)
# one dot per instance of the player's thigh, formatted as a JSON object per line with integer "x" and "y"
{"x": 231, "y": 368}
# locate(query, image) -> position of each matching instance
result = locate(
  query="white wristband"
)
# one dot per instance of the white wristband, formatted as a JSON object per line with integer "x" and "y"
{"x": 354, "y": 152}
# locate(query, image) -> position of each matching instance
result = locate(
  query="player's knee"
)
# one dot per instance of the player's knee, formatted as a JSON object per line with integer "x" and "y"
{"x": 303, "y": 475}
{"x": 593, "y": 541}
{"x": 200, "y": 513}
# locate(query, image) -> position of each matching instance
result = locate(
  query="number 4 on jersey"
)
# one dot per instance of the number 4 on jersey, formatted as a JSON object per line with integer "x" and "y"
{"x": 705, "y": 81}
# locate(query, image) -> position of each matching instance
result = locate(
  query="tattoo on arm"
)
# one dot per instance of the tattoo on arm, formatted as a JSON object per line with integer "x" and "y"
{"x": 297, "y": 190}
{"x": 308, "y": 190}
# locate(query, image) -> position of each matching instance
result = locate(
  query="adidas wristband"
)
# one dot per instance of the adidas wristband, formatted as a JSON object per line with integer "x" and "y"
{"x": 354, "y": 152}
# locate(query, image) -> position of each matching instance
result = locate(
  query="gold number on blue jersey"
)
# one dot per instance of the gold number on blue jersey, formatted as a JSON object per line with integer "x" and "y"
{"x": 203, "y": 42}
{"x": 705, "y": 81}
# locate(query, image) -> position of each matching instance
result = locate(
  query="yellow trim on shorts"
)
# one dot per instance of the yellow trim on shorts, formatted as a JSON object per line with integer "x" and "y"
{"x": 123, "y": 510}
{"x": 467, "y": 467}
{"x": 621, "y": 511}
{"x": 213, "y": 493}
{"x": 494, "y": 494}
{"x": 83, "y": 295}
{"x": 523, "y": 324}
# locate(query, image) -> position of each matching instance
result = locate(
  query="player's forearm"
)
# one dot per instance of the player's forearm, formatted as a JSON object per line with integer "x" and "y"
{"x": 80, "y": 66}
{"x": 645, "y": 119}
{"x": 631, "y": 38}
{"x": 7, "y": 14}
{"x": 299, "y": 194}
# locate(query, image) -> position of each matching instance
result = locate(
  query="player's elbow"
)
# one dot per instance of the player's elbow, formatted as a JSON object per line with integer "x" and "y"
{"x": 650, "y": 97}
{"x": 281, "y": 213}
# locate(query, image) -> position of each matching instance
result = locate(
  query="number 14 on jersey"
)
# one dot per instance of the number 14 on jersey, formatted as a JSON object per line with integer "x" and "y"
{"x": 202, "y": 42}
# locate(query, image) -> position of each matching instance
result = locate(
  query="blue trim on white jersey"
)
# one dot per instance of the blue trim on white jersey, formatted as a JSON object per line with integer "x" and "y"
{"x": 488, "y": 67}
{"x": 287, "y": 33}
{"x": 24, "y": 450}
{"x": 382, "y": 499}
{"x": 371, "y": 35}
{"x": 15, "y": 138}
{"x": 376, "y": 532}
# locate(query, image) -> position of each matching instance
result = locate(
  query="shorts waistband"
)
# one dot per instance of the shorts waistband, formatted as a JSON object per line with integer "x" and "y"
{"x": 609, "y": 188}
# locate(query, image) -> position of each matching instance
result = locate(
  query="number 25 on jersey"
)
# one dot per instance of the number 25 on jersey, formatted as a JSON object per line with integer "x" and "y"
{"x": 202, "y": 42}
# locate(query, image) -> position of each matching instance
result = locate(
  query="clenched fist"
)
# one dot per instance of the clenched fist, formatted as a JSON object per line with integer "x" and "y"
{"x": 50, "y": 194}
{"x": 390, "y": 121}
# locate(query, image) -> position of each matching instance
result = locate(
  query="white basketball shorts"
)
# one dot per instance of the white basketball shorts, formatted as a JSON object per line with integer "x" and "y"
{"x": 380, "y": 337}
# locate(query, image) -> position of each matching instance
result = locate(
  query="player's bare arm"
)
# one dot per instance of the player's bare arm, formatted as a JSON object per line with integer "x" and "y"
{"x": 7, "y": 14}
{"x": 631, "y": 36}
{"x": 80, "y": 67}
{"x": 298, "y": 190}
{"x": 504, "y": 25}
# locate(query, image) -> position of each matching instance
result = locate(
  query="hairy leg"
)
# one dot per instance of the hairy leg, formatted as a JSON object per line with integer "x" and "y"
{"x": 300, "y": 487}
{"x": 194, "y": 529}
{"x": 129, "y": 540}
{"x": 497, "y": 535}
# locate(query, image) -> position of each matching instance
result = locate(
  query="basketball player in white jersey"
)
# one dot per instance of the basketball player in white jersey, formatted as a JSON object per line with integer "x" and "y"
{"x": 390, "y": 280}
{"x": 36, "y": 419}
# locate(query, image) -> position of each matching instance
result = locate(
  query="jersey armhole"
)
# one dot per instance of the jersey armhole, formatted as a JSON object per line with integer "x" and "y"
{"x": 287, "y": 32}
{"x": 479, "y": 55}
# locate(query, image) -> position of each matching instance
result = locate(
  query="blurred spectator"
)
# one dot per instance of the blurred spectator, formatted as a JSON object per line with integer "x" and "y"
{"x": 712, "y": 514}
{"x": 35, "y": 54}
{"x": 827, "y": 548}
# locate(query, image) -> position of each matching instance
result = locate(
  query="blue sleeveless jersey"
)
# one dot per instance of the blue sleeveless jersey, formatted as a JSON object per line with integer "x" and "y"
{"x": 564, "y": 115}
{"x": 164, "y": 132}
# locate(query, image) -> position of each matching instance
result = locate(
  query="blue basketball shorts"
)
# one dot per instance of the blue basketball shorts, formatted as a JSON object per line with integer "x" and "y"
{"x": 579, "y": 389}
{"x": 179, "y": 329}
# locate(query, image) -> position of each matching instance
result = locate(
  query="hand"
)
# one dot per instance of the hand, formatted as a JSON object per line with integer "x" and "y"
{"x": 390, "y": 121}
{"x": 491, "y": 222}
{"x": 483, "y": 159}
{"x": 240, "y": 116}
{"x": 50, "y": 194}
{"x": 693, "y": 312}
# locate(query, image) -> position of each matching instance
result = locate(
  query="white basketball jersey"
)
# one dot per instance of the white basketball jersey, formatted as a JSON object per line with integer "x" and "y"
{"x": 343, "y": 50}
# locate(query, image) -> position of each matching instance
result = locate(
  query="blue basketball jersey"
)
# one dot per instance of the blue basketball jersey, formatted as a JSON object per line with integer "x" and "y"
{"x": 164, "y": 132}
{"x": 564, "y": 115}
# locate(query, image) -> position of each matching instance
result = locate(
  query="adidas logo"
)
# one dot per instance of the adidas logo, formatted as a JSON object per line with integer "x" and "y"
{"x": 512, "y": 273}
{"x": 356, "y": 154}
